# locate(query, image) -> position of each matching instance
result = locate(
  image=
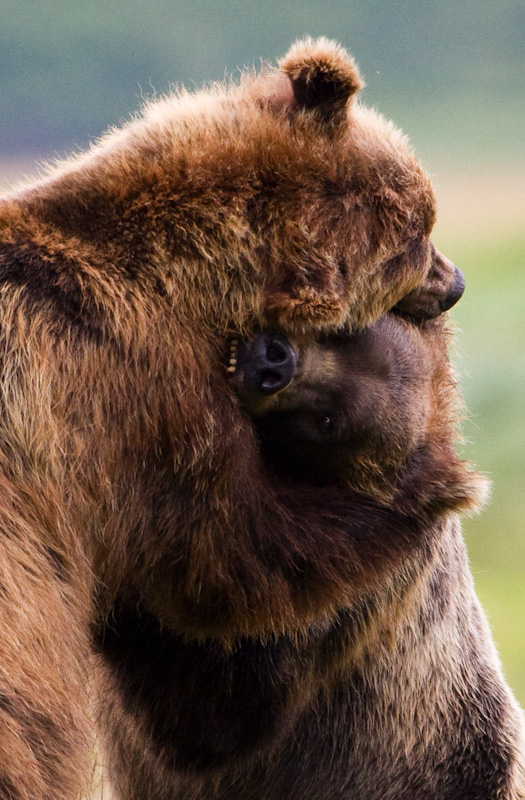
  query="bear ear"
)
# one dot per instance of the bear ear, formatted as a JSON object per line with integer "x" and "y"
{"x": 324, "y": 77}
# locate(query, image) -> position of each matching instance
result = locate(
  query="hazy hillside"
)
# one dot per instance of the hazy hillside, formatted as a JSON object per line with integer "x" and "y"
{"x": 450, "y": 73}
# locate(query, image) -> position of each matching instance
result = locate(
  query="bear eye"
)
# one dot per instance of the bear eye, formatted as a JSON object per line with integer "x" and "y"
{"x": 326, "y": 423}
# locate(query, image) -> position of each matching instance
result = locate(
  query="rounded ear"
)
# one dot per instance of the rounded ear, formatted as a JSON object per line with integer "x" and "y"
{"x": 324, "y": 77}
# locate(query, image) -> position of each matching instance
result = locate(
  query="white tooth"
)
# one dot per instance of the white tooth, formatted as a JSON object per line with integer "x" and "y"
{"x": 231, "y": 369}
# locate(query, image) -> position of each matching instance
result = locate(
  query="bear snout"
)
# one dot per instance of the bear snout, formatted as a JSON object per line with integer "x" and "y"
{"x": 266, "y": 365}
{"x": 456, "y": 291}
{"x": 443, "y": 287}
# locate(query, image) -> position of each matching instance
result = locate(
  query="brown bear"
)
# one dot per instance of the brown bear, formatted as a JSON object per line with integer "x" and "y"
{"x": 415, "y": 705}
{"x": 399, "y": 694}
{"x": 351, "y": 409}
{"x": 165, "y": 596}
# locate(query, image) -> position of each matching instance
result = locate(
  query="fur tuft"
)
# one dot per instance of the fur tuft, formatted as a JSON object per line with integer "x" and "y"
{"x": 324, "y": 76}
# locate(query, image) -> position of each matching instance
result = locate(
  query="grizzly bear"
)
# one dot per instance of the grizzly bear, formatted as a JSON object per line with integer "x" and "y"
{"x": 351, "y": 409}
{"x": 416, "y": 705}
{"x": 168, "y": 600}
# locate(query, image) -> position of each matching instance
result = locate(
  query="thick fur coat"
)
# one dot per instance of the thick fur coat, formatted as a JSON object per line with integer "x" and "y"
{"x": 215, "y": 631}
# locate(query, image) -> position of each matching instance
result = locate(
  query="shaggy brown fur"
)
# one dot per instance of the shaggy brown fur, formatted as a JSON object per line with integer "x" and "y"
{"x": 137, "y": 515}
{"x": 407, "y": 700}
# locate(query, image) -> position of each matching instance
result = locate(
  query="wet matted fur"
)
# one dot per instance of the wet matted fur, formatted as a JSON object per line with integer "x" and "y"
{"x": 161, "y": 590}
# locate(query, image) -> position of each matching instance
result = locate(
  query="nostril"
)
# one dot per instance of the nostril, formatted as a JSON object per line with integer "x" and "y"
{"x": 276, "y": 352}
{"x": 271, "y": 382}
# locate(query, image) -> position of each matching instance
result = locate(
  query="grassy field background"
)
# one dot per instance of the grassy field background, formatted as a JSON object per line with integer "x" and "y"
{"x": 481, "y": 228}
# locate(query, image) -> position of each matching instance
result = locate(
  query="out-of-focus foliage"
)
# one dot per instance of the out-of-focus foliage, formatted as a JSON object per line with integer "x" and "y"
{"x": 449, "y": 72}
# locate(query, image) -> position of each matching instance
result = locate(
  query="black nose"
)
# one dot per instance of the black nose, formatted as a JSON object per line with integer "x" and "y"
{"x": 455, "y": 292}
{"x": 269, "y": 364}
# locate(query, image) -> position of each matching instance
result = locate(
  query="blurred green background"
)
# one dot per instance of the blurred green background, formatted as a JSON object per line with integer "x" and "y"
{"x": 450, "y": 74}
